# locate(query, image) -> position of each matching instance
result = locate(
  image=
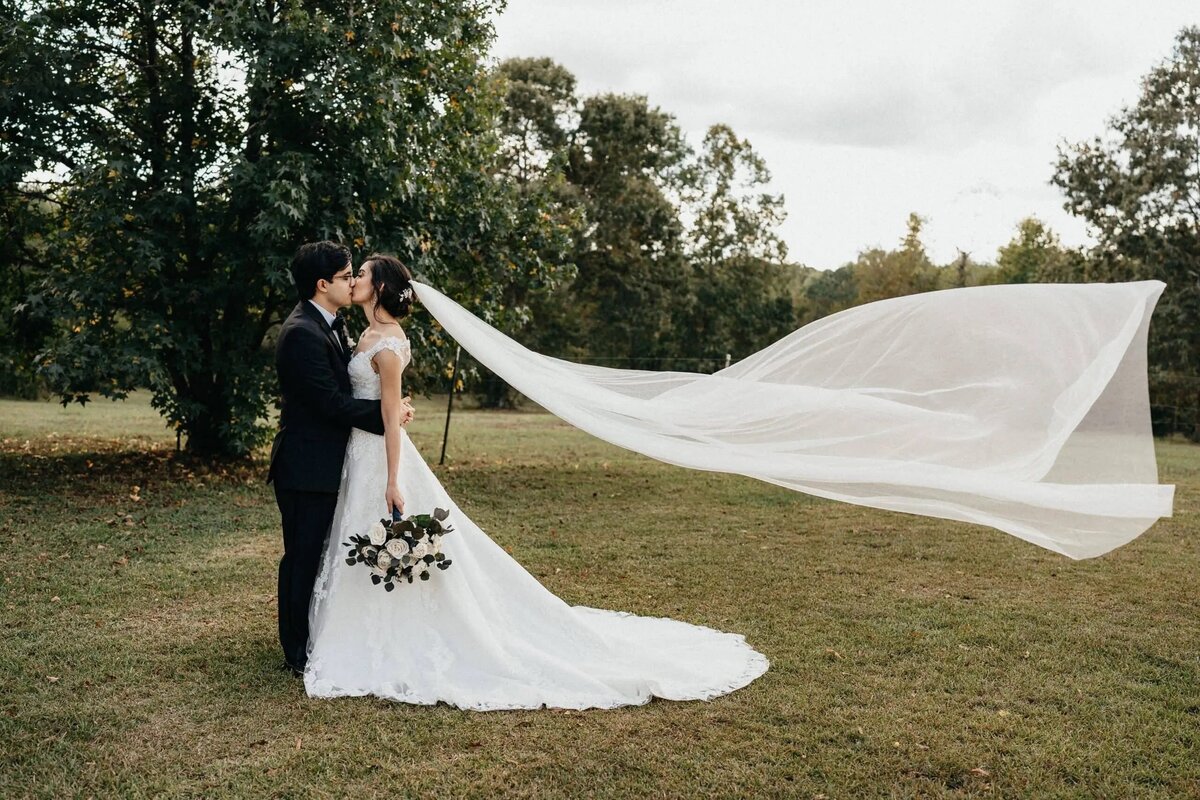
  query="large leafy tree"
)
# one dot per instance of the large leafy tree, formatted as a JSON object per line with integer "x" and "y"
{"x": 539, "y": 98}
{"x": 1138, "y": 188}
{"x": 626, "y": 160}
{"x": 188, "y": 147}
{"x": 740, "y": 295}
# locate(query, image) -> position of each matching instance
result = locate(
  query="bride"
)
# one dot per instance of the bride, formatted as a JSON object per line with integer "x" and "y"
{"x": 484, "y": 634}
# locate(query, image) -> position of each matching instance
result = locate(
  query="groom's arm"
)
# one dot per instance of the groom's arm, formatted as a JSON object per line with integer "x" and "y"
{"x": 304, "y": 367}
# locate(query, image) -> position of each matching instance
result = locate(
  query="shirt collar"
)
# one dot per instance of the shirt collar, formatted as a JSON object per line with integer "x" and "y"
{"x": 329, "y": 318}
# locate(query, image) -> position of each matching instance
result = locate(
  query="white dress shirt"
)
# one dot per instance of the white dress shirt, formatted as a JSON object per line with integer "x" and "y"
{"x": 329, "y": 318}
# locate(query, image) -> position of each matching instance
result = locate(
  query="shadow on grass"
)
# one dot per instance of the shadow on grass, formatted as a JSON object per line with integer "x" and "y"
{"x": 42, "y": 470}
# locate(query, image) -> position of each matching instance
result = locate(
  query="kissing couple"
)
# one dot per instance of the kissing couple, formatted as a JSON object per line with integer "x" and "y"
{"x": 485, "y": 635}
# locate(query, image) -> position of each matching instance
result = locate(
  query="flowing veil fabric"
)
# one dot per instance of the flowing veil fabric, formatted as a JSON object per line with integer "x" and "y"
{"x": 1021, "y": 407}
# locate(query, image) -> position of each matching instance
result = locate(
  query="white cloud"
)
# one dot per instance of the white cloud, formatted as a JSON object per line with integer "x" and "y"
{"x": 865, "y": 111}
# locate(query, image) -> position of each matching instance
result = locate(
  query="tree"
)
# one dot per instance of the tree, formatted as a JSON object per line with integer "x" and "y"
{"x": 880, "y": 274}
{"x": 740, "y": 289}
{"x": 734, "y": 218}
{"x": 625, "y": 160}
{"x": 1138, "y": 188}
{"x": 539, "y": 104}
{"x": 28, "y": 324}
{"x": 187, "y": 148}
{"x": 538, "y": 98}
{"x": 829, "y": 292}
{"x": 1033, "y": 255}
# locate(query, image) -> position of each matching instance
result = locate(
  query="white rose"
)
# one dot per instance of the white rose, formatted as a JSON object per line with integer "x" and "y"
{"x": 421, "y": 550}
{"x": 383, "y": 560}
{"x": 398, "y": 547}
{"x": 377, "y": 571}
{"x": 378, "y": 534}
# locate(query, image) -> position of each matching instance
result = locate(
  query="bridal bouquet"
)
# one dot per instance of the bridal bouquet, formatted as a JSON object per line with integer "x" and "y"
{"x": 401, "y": 548}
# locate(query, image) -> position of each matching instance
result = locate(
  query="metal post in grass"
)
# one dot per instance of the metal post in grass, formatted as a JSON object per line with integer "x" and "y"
{"x": 450, "y": 404}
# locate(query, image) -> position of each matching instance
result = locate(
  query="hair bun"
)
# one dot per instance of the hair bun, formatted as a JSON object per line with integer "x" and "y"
{"x": 393, "y": 284}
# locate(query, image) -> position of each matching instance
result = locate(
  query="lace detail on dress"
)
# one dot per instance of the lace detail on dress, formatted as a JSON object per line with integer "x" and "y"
{"x": 364, "y": 381}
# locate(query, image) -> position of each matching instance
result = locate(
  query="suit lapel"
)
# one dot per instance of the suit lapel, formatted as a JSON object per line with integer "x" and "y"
{"x": 310, "y": 310}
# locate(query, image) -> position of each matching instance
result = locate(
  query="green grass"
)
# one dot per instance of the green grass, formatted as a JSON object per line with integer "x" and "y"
{"x": 910, "y": 656}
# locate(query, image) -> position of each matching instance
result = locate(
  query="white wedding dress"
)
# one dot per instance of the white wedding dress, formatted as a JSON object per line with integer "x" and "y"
{"x": 484, "y": 634}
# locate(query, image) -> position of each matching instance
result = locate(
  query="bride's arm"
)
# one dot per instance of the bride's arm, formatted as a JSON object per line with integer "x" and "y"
{"x": 393, "y": 405}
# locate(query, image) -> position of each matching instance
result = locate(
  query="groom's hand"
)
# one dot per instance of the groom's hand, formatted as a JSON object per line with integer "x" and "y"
{"x": 406, "y": 410}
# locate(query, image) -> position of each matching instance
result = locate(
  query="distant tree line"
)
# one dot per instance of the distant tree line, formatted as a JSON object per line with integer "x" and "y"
{"x": 677, "y": 261}
{"x": 161, "y": 161}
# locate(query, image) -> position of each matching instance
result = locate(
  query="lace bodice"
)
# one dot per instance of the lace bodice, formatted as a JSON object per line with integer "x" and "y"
{"x": 364, "y": 381}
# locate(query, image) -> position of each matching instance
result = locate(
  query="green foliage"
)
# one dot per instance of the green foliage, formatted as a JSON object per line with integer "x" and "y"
{"x": 1138, "y": 188}
{"x": 188, "y": 148}
{"x": 675, "y": 251}
{"x": 626, "y": 161}
{"x": 741, "y": 299}
{"x": 829, "y": 292}
{"x": 880, "y": 274}
{"x": 1033, "y": 254}
{"x": 26, "y": 321}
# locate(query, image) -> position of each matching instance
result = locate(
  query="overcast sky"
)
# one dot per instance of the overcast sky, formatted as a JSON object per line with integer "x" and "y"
{"x": 867, "y": 110}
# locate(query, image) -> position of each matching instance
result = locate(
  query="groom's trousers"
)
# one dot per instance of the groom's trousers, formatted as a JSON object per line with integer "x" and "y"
{"x": 307, "y": 517}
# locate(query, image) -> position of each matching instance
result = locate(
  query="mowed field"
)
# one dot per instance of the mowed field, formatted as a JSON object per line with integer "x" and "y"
{"x": 911, "y": 657}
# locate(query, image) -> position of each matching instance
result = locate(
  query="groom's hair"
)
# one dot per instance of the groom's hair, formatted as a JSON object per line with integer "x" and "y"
{"x": 315, "y": 261}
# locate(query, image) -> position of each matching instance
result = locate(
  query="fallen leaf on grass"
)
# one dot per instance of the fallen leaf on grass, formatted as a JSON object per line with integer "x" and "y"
{"x": 980, "y": 772}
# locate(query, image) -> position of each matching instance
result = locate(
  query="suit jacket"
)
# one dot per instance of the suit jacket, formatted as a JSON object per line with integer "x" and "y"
{"x": 318, "y": 410}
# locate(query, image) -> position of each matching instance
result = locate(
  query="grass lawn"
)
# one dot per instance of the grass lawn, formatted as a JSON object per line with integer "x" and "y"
{"x": 910, "y": 656}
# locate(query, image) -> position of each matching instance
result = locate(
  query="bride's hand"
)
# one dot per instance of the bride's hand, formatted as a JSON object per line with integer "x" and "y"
{"x": 394, "y": 499}
{"x": 407, "y": 412}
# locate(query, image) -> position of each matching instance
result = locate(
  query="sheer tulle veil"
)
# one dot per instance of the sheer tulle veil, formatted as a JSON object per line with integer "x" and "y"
{"x": 1020, "y": 407}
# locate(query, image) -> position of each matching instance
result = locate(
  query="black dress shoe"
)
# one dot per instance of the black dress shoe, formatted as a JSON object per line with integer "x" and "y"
{"x": 297, "y": 671}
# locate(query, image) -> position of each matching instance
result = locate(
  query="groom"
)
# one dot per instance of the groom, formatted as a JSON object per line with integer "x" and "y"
{"x": 315, "y": 419}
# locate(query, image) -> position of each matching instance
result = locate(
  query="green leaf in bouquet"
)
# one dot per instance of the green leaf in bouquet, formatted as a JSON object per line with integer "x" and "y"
{"x": 424, "y": 576}
{"x": 423, "y": 520}
{"x": 440, "y": 514}
{"x": 375, "y": 579}
{"x": 409, "y": 576}
{"x": 407, "y": 526}
{"x": 445, "y": 563}
{"x": 351, "y": 561}
{"x": 389, "y": 586}
{"x": 438, "y": 556}
{"x": 427, "y": 559}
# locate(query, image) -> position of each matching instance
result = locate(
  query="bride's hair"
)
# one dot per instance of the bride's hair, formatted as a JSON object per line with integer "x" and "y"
{"x": 392, "y": 283}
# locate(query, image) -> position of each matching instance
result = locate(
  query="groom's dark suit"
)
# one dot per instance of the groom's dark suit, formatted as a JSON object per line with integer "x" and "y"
{"x": 315, "y": 419}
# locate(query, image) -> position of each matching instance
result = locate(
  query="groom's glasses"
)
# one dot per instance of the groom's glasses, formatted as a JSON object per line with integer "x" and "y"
{"x": 345, "y": 276}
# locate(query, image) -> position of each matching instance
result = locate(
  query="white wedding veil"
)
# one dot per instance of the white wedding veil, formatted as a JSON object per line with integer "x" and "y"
{"x": 1021, "y": 407}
